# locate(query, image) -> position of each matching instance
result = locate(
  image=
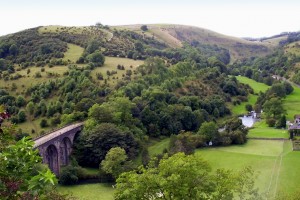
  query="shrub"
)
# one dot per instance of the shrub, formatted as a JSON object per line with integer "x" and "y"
{"x": 69, "y": 176}
{"x": 43, "y": 123}
{"x": 271, "y": 122}
{"x": 249, "y": 107}
{"x": 144, "y": 28}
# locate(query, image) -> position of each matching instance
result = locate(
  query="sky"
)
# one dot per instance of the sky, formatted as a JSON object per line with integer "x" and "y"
{"x": 240, "y": 18}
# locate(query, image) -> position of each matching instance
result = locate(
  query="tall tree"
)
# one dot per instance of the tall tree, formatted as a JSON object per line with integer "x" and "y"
{"x": 114, "y": 161}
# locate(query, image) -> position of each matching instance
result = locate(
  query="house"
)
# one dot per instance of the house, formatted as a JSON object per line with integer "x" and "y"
{"x": 295, "y": 127}
{"x": 297, "y": 119}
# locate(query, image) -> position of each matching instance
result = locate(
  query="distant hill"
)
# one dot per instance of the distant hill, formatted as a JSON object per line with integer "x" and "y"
{"x": 157, "y": 35}
{"x": 176, "y": 35}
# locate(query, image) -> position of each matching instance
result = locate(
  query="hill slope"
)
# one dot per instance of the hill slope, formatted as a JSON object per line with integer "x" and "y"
{"x": 176, "y": 35}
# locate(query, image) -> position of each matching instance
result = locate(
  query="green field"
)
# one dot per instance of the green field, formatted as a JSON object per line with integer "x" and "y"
{"x": 73, "y": 53}
{"x": 292, "y": 103}
{"x": 289, "y": 172}
{"x": 257, "y": 87}
{"x": 97, "y": 191}
{"x": 271, "y": 160}
{"x": 262, "y": 130}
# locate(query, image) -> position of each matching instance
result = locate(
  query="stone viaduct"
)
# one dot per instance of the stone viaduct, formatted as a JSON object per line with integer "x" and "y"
{"x": 55, "y": 147}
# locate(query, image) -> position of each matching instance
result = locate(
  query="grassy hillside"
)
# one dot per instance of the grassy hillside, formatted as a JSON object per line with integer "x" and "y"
{"x": 76, "y": 30}
{"x": 293, "y": 48}
{"x": 111, "y": 64}
{"x": 292, "y": 104}
{"x": 175, "y": 35}
{"x": 73, "y": 53}
{"x": 256, "y": 86}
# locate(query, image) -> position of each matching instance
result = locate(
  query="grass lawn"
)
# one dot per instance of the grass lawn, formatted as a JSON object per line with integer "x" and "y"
{"x": 93, "y": 171}
{"x": 73, "y": 53}
{"x": 253, "y": 147}
{"x": 97, "y": 191}
{"x": 240, "y": 109}
{"x": 292, "y": 104}
{"x": 158, "y": 147}
{"x": 289, "y": 172}
{"x": 261, "y": 130}
{"x": 273, "y": 161}
{"x": 257, "y": 87}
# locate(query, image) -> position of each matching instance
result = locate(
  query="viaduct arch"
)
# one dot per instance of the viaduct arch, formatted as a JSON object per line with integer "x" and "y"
{"x": 56, "y": 147}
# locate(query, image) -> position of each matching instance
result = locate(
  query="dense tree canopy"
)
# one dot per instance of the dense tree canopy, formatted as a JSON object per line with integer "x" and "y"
{"x": 185, "y": 177}
{"x": 93, "y": 145}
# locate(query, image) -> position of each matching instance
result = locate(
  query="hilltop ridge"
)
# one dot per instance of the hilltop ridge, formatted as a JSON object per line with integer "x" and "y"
{"x": 172, "y": 35}
{"x": 175, "y": 35}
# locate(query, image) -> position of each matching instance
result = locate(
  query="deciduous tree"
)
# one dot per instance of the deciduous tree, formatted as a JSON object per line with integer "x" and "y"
{"x": 114, "y": 161}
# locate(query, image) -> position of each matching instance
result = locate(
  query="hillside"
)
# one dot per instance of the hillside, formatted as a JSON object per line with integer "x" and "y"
{"x": 283, "y": 62}
{"x": 176, "y": 35}
{"x": 49, "y": 73}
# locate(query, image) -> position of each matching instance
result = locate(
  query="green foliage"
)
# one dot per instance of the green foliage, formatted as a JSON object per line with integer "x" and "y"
{"x": 44, "y": 123}
{"x": 181, "y": 176}
{"x": 29, "y": 46}
{"x": 94, "y": 143}
{"x": 20, "y": 101}
{"x": 96, "y": 58}
{"x": 249, "y": 107}
{"x": 114, "y": 162}
{"x": 209, "y": 130}
{"x": 144, "y": 28}
{"x": 273, "y": 108}
{"x": 21, "y": 116}
{"x": 235, "y": 132}
{"x": 281, "y": 123}
{"x": 68, "y": 175}
{"x": 145, "y": 157}
{"x": 93, "y": 46}
{"x": 17, "y": 164}
{"x": 186, "y": 142}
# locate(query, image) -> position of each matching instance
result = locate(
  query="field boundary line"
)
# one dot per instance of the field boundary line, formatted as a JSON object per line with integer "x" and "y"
{"x": 277, "y": 139}
{"x": 273, "y": 172}
{"x": 278, "y": 174}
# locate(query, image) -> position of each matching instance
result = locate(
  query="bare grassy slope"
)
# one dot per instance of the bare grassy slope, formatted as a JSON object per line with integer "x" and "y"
{"x": 175, "y": 35}
{"x": 238, "y": 48}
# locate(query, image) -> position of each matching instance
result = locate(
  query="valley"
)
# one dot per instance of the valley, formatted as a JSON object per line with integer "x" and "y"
{"x": 155, "y": 100}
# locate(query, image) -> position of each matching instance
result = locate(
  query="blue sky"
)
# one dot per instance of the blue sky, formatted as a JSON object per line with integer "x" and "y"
{"x": 251, "y": 18}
